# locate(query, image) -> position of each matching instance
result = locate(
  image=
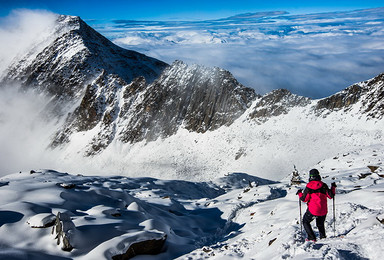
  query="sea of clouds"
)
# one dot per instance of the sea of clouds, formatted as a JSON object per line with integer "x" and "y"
{"x": 314, "y": 55}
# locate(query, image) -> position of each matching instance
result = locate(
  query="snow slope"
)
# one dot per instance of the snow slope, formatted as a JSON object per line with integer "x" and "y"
{"x": 267, "y": 148}
{"x": 236, "y": 216}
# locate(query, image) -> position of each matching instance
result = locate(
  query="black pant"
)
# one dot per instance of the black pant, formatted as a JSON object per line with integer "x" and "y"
{"x": 307, "y": 219}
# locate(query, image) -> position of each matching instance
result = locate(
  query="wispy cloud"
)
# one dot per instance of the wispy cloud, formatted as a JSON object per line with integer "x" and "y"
{"x": 20, "y": 31}
{"x": 24, "y": 133}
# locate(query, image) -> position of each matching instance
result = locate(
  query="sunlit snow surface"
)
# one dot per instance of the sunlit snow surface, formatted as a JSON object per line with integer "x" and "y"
{"x": 238, "y": 215}
{"x": 313, "y": 55}
{"x": 235, "y": 216}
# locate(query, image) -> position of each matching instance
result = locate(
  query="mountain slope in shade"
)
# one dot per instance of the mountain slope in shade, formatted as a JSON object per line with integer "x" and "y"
{"x": 193, "y": 97}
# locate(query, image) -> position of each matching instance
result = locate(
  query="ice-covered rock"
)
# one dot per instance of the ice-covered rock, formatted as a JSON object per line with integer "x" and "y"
{"x": 65, "y": 230}
{"x": 139, "y": 243}
{"x": 42, "y": 220}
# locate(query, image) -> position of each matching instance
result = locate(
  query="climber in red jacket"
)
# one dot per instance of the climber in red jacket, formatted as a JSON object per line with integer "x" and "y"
{"x": 315, "y": 194}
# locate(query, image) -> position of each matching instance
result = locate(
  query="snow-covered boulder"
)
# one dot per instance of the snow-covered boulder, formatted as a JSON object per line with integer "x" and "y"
{"x": 42, "y": 220}
{"x": 138, "y": 243}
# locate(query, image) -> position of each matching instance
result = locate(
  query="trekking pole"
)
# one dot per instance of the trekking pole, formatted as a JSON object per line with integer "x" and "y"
{"x": 334, "y": 217}
{"x": 301, "y": 224}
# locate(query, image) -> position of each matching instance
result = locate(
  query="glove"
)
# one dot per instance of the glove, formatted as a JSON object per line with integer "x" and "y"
{"x": 333, "y": 184}
{"x": 299, "y": 191}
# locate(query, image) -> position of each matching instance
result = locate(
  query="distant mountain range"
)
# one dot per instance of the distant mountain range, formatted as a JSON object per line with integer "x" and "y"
{"x": 121, "y": 98}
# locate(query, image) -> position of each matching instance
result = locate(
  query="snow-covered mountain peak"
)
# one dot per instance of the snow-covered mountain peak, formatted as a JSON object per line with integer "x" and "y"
{"x": 67, "y": 23}
{"x": 75, "y": 56}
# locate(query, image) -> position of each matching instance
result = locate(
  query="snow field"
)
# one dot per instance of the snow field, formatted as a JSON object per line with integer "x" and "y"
{"x": 271, "y": 230}
{"x": 235, "y": 216}
{"x": 268, "y": 150}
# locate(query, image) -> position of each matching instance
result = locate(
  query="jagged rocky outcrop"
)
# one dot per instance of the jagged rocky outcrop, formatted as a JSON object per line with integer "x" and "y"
{"x": 367, "y": 95}
{"x": 275, "y": 103}
{"x": 342, "y": 99}
{"x": 74, "y": 56}
{"x": 197, "y": 98}
{"x": 373, "y": 102}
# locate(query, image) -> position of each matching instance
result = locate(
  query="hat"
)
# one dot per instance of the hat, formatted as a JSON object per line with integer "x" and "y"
{"x": 314, "y": 175}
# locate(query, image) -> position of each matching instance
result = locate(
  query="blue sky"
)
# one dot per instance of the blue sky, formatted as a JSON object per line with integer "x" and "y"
{"x": 178, "y": 10}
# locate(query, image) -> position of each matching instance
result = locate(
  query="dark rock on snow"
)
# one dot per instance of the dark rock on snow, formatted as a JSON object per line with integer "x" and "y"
{"x": 146, "y": 247}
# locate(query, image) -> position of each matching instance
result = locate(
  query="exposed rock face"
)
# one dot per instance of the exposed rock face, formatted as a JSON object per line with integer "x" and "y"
{"x": 275, "y": 103}
{"x": 340, "y": 100}
{"x": 373, "y": 102}
{"x": 194, "y": 97}
{"x": 369, "y": 93}
{"x": 99, "y": 105}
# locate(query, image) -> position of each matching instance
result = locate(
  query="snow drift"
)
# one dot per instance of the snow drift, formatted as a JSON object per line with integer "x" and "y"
{"x": 236, "y": 216}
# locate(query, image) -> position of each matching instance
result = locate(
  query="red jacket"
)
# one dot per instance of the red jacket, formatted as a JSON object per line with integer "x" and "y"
{"x": 316, "y": 194}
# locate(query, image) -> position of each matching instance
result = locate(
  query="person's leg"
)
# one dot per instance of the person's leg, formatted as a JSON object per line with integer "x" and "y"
{"x": 320, "y": 225}
{"x": 307, "y": 219}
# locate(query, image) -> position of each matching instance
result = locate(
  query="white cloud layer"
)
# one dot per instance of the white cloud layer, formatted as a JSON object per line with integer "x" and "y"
{"x": 24, "y": 133}
{"x": 313, "y": 55}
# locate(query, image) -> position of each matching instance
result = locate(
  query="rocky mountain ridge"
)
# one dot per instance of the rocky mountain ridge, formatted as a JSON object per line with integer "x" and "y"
{"x": 369, "y": 93}
{"x": 196, "y": 98}
{"x": 127, "y": 97}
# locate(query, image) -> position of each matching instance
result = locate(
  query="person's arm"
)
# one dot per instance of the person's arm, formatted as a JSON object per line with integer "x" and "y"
{"x": 304, "y": 196}
{"x": 333, "y": 189}
{"x": 330, "y": 191}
